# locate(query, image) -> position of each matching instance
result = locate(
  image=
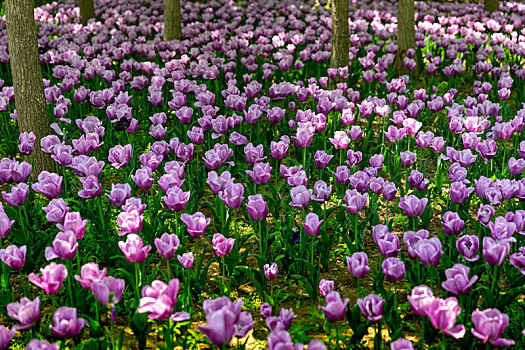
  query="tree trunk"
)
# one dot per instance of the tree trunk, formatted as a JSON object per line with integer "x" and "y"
{"x": 87, "y": 10}
{"x": 172, "y": 24}
{"x": 491, "y": 5}
{"x": 406, "y": 34}
{"x": 340, "y": 34}
{"x": 27, "y": 78}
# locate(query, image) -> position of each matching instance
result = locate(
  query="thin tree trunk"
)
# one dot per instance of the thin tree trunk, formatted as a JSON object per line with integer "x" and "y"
{"x": 172, "y": 23}
{"x": 491, "y": 5}
{"x": 27, "y": 77}
{"x": 87, "y": 10}
{"x": 406, "y": 34}
{"x": 340, "y": 35}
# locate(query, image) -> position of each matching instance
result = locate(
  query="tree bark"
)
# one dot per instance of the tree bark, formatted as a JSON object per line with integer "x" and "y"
{"x": 27, "y": 78}
{"x": 491, "y": 5}
{"x": 87, "y": 10}
{"x": 340, "y": 34}
{"x": 406, "y": 34}
{"x": 172, "y": 23}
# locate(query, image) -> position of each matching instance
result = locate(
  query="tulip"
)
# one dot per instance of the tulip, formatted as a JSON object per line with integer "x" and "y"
{"x": 322, "y": 192}
{"x": 130, "y": 222}
{"x": 412, "y": 205}
{"x": 56, "y": 210}
{"x": 357, "y": 265}
{"x": 232, "y": 195}
{"x": 13, "y": 257}
{"x": 488, "y": 325}
{"x": 65, "y": 246}
{"x": 459, "y": 192}
{"x": 90, "y": 187}
{"x": 495, "y": 252}
{"x": 220, "y": 327}
{"x": 372, "y": 307}
{"x": 335, "y": 308}
{"x": 119, "y": 194}
{"x": 407, "y": 158}
{"x": 271, "y": 271}
{"x": 401, "y": 344}
{"x": 27, "y": 142}
{"x": 108, "y": 287}
{"x": 281, "y": 339}
{"x": 49, "y": 184}
{"x": 300, "y": 197}
{"x": 389, "y": 245}
{"x": 37, "y": 344}
{"x": 6, "y": 336}
{"x": 90, "y": 273}
{"x": 261, "y": 173}
{"x": 393, "y": 268}
{"x": 143, "y": 178}
{"x": 457, "y": 280}
{"x": 66, "y": 324}
{"x": 196, "y": 224}
{"x": 134, "y": 249}
{"x": 26, "y": 312}
{"x": 428, "y": 251}
{"x": 133, "y": 203}
{"x": 119, "y": 156}
{"x": 17, "y": 196}
{"x": 186, "y": 260}
{"x": 468, "y": 247}
{"x": 322, "y": 159}
{"x": 355, "y": 202}
{"x": 176, "y": 199}
{"x": 420, "y": 298}
{"x": 159, "y": 299}
{"x": 452, "y": 223}
{"x": 222, "y": 245}
{"x": 410, "y": 238}
{"x": 485, "y": 213}
{"x": 312, "y": 224}
{"x": 5, "y": 225}
{"x": 53, "y": 275}
{"x": 325, "y": 287}
{"x": 266, "y": 310}
{"x": 73, "y": 222}
{"x": 257, "y": 207}
{"x": 442, "y": 314}
{"x": 167, "y": 245}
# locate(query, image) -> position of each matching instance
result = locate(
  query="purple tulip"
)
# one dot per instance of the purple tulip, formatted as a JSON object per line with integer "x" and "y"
{"x": 300, "y": 197}
{"x": 516, "y": 166}
{"x": 407, "y": 158}
{"x": 90, "y": 273}
{"x": 134, "y": 249}
{"x": 261, "y": 173}
{"x": 17, "y": 196}
{"x": 90, "y": 187}
{"x": 281, "y": 339}
{"x": 119, "y": 194}
{"x": 458, "y": 281}
{"x": 186, "y": 260}
{"x": 325, "y": 287}
{"x": 49, "y": 184}
{"x": 410, "y": 238}
{"x": 312, "y": 224}
{"x": 66, "y": 324}
{"x": 357, "y": 264}
{"x": 167, "y": 245}
{"x": 271, "y": 271}
{"x": 452, "y": 223}
{"x": 488, "y": 325}
{"x": 5, "y": 225}
{"x": 257, "y": 207}
{"x": 342, "y": 175}
{"x": 394, "y": 269}
{"x": 143, "y": 178}
{"x": 428, "y": 251}
{"x": 196, "y": 224}
{"x": 37, "y": 344}
{"x": 443, "y": 313}
{"x": 65, "y": 246}
{"x": 159, "y": 299}
{"x": 495, "y": 252}
{"x": 56, "y": 210}
{"x": 335, "y": 308}
{"x": 322, "y": 159}
{"x": 222, "y": 245}
{"x": 27, "y": 142}
{"x": 13, "y": 257}
{"x": 176, "y": 199}
{"x": 485, "y": 213}
{"x": 322, "y": 191}
{"x": 73, "y": 222}
{"x": 459, "y": 192}
{"x": 420, "y": 298}
{"x": 468, "y": 246}
{"x": 355, "y": 202}
{"x": 401, "y": 344}
{"x": 6, "y": 336}
{"x": 412, "y": 205}
{"x": 389, "y": 245}
{"x": 232, "y": 195}
{"x": 372, "y": 307}
{"x": 130, "y": 222}
{"x": 119, "y": 156}
{"x": 340, "y": 140}
{"x": 108, "y": 291}
{"x": 53, "y": 275}
{"x": 26, "y": 312}
{"x": 278, "y": 149}
{"x": 266, "y": 310}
